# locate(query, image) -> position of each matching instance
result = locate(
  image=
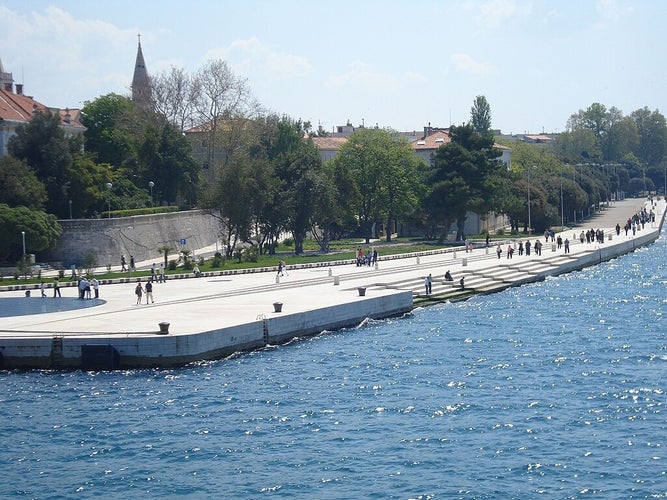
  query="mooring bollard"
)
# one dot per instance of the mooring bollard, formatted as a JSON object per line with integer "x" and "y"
{"x": 277, "y": 307}
{"x": 417, "y": 259}
{"x": 164, "y": 328}
{"x": 336, "y": 280}
{"x": 454, "y": 255}
{"x": 464, "y": 261}
{"x": 277, "y": 278}
{"x": 362, "y": 291}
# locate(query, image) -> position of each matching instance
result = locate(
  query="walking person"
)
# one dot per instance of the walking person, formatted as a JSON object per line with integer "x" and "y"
{"x": 56, "y": 288}
{"x": 567, "y": 245}
{"x": 139, "y": 291}
{"x": 149, "y": 292}
{"x": 122, "y": 264}
{"x": 131, "y": 262}
{"x": 153, "y": 273}
{"x": 42, "y": 288}
{"x": 499, "y": 250}
{"x": 96, "y": 288}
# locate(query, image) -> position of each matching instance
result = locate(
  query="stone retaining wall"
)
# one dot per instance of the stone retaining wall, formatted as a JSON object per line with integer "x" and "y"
{"x": 140, "y": 236}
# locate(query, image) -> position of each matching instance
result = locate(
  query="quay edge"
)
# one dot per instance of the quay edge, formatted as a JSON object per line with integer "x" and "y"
{"x": 95, "y": 350}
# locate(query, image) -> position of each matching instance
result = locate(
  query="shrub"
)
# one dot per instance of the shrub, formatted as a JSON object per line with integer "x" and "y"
{"x": 217, "y": 261}
{"x": 250, "y": 254}
{"x": 172, "y": 265}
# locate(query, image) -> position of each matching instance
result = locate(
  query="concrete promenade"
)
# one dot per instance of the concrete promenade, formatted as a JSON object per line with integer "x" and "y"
{"x": 239, "y": 309}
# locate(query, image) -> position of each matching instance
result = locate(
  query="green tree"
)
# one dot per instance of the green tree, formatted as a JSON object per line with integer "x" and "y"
{"x": 20, "y": 185}
{"x": 386, "y": 175}
{"x": 298, "y": 170}
{"x": 460, "y": 176}
{"x": 480, "y": 115}
{"x": 112, "y": 128}
{"x": 41, "y": 231}
{"x": 165, "y": 158}
{"x": 42, "y": 144}
{"x": 652, "y": 131}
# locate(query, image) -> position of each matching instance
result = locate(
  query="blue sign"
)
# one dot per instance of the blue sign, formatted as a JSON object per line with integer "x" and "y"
{"x": 182, "y": 241}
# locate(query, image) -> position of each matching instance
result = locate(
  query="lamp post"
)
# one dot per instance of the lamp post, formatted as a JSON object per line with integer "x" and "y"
{"x": 529, "y": 222}
{"x": 109, "y": 186}
{"x": 150, "y": 185}
{"x": 562, "y": 214}
{"x": 23, "y": 236}
{"x": 70, "y": 209}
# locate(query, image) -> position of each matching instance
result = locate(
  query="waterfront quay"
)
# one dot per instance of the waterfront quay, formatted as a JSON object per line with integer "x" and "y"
{"x": 221, "y": 313}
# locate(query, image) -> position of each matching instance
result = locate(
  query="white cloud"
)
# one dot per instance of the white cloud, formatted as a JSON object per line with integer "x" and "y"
{"x": 494, "y": 13}
{"x": 361, "y": 75}
{"x": 466, "y": 64}
{"x": 252, "y": 57}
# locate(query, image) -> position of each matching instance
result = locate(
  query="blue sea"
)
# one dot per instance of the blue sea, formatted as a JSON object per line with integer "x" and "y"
{"x": 552, "y": 390}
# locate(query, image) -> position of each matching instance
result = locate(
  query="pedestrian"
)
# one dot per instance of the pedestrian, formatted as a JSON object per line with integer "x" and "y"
{"x": 153, "y": 272}
{"x": 428, "y": 281}
{"x": 81, "y": 286}
{"x": 131, "y": 262}
{"x": 499, "y": 250}
{"x": 86, "y": 287}
{"x": 42, "y": 287}
{"x": 618, "y": 229}
{"x": 559, "y": 241}
{"x": 160, "y": 274}
{"x": 149, "y": 292}
{"x": 122, "y": 264}
{"x": 138, "y": 291}
{"x": 520, "y": 248}
{"x": 96, "y": 288}
{"x": 56, "y": 288}
{"x": 462, "y": 282}
{"x": 375, "y": 256}
{"x": 567, "y": 245}
{"x": 510, "y": 251}
{"x": 448, "y": 276}
{"x": 527, "y": 247}
{"x": 488, "y": 239}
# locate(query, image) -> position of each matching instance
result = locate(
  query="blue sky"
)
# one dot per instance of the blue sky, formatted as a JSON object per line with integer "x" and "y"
{"x": 398, "y": 64}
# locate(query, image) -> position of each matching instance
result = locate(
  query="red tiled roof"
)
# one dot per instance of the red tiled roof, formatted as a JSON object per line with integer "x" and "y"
{"x": 433, "y": 141}
{"x": 329, "y": 143}
{"x": 20, "y": 107}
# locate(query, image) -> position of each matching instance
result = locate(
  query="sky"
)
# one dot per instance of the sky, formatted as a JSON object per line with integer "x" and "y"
{"x": 395, "y": 64}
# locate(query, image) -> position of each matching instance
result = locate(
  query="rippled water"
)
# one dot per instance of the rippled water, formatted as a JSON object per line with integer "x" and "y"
{"x": 554, "y": 389}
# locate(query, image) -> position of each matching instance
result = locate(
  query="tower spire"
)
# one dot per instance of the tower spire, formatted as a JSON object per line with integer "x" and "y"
{"x": 141, "y": 83}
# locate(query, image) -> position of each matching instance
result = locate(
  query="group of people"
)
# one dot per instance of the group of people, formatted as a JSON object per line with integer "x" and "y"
{"x": 157, "y": 274}
{"x": 428, "y": 282}
{"x": 123, "y": 264}
{"x": 84, "y": 286}
{"x": 369, "y": 259}
{"x": 140, "y": 290}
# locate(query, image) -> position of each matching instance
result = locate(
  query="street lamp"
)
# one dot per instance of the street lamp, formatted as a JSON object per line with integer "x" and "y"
{"x": 109, "y": 186}
{"x": 562, "y": 215}
{"x": 529, "y": 222}
{"x": 150, "y": 185}
{"x": 23, "y": 236}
